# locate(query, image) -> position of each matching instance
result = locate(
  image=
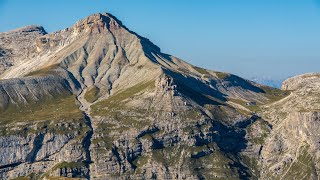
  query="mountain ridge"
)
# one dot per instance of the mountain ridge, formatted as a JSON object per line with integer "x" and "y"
{"x": 116, "y": 107}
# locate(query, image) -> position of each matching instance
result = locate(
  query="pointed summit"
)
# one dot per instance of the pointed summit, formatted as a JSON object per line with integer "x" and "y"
{"x": 99, "y": 22}
{"x": 99, "y": 17}
{"x": 99, "y": 51}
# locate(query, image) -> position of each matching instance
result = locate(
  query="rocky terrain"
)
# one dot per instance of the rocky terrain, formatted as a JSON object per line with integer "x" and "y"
{"x": 98, "y": 101}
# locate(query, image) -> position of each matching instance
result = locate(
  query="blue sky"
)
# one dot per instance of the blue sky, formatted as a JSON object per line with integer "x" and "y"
{"x": 264, "y": 38}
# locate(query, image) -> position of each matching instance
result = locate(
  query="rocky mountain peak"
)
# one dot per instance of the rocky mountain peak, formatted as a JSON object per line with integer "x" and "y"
{"x": 98, "y": 101}
{"x": 29, "y": 29}
{"x": 300, "y": 81}
{"x": 98, "y": 23}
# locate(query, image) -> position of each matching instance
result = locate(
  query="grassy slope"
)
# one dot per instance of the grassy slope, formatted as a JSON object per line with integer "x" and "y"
{"x": 220, "y": 75}
{"x": 273, "y": 95}
{"x": 92, "y": 95}
{"x": 54, "y": 108}
{"x": 44, "y": 113}
{"x": 44, "y": 71}
{"x": 116, "y": 101}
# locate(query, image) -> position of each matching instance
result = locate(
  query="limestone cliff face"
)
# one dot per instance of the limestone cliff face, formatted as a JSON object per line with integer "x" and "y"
{"x": 39, "y": 152}
{"x": 292, "y": 148}
{"x": 298, "y": 82}
{"x": 98, "y": 101}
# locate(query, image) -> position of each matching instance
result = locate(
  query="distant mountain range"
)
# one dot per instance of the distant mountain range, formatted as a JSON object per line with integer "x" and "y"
{"x": 269, "y": 81}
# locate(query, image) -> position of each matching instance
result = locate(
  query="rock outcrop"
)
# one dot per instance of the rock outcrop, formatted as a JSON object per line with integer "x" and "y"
{"x": 298, "y": 82}
{"x": 292, "y": 148}
{"x": 18, "y": 45}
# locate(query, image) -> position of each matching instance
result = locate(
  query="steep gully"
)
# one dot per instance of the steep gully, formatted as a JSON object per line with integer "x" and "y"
{"x": 85, "y": 108}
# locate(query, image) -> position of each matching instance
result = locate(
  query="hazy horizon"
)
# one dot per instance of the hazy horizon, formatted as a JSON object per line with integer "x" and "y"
{"x": 269, "y": 39}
